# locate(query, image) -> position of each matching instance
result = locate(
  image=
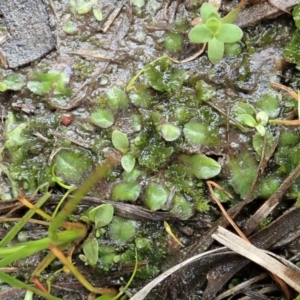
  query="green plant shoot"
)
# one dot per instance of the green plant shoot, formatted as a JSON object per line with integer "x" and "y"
{"x": 215, "y": 31}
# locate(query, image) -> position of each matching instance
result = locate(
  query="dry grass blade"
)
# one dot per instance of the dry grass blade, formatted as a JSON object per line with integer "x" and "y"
{"x": 238, "y": 245}
{"x": 241, "y": 286}
{"x": 91, "y": 54}
{"x": 146, "y": 290}
{"x": 224, "y": 212}
{"x": 285, "y": 88}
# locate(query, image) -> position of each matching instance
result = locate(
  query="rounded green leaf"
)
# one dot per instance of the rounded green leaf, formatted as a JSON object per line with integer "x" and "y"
{"x": 101, "y": 215}
{"x": 169, "y": 132}
{"x": 117, "y": 99}
{"x": 247, "y": 120}
{"x": 120, "y": 141}
{"x": 122, "y": 230}
{"x": 128, "y": 162}
{"x": 98, "y": 15}
{"x": 73, "y": 166}
{"x": 229, "y": 33}
{"x": 215, "y": 50}
{"x": 141, "y": 97}
{"x": 70, "y": 27}
{"x": 262, "y": 118}
{"x": 243, "y": 164}
{"x": 90, "y": 250}
{"x": 126, "y": 191}
{"x": 200, "y": 134}
{"x": 200, "y": 165}
{"x": 270, "y": 104}
{"x": 214, "y": 25}
{"x": 182, "y": 208}
{"x": 155, "y": 197}
{"x": 200, "y": 34}
{"x": 206, "y": 10}
{"x": 240, "y": 108}
{"x": 14, "y": 82}
{"x": 102, "y": 117}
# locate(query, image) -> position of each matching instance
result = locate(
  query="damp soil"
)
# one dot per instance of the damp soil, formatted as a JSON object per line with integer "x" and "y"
{"x": 100, "y": 58}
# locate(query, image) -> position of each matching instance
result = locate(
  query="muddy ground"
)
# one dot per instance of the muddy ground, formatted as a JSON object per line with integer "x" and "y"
{"x": 98, "y": 59}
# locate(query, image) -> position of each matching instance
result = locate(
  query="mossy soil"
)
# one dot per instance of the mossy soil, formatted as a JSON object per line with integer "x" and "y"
{"x": 172, "y": 128}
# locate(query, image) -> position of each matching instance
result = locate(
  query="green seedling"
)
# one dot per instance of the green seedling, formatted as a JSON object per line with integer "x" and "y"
{"x": 215, "y": 31}
{"x": 247, "y": 116}
{"x": 82, "y": 7}
{"x": 259, "y": 123}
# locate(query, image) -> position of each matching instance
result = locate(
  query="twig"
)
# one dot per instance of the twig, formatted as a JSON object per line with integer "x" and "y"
{"x": 112, "y": 17}
{"x": 191, "y": 57}
{"x": 74, "y": 141}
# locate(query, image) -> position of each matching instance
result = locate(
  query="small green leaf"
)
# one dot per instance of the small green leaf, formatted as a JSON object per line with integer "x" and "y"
{"x": 229, "y": 33}
{"x": 126, "y": 191}
{"x": 156, "y": 196}
{"x": 206, "y": 10}
{"x": 102, "y": 117}
{"x": 73, "y": 166}
{"x": 128, "y": 162}
{"x": 98, "y": 14}
{"x": 13, "y": 82}
{"x": 70, "y": 27}
{"x": 102, "y": 215}
{"x": 116, "y": 98}
{"x": 120, "y": 141}
{"x": 269, "y": 103}
{"x": 3, "y": 87}
{"x": 260, "y": 129}
{"x": 84, "y": 8}
{"x": 240, "y": 108}
{"x": 244, "y": 163}
{"x": 200, "y": 165}
{"x": 200, "y": 134}
{"x": 200, "y": 34}
{"x": 141, "y": 97}
{"x": 247, "y": 120}
{"x": 182, "y": 208}
{"x": 169, "y": 132}
{"x": 122, "y": 230}
{"x": 215, "y": 50}
{"x": 258, "y": 142}
{"x": 262, "y": 118}
{"x": 214, "y": 25}
{"x": 90, "y": 250}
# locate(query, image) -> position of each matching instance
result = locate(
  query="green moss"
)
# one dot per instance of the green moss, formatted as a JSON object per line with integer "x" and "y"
{"x": 185, "y": 184}
{"x": 173, "y": 41}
